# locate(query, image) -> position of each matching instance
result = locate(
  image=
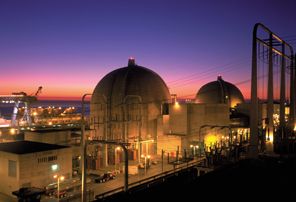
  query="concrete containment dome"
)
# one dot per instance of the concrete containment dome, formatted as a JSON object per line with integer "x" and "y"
{"x": 219, "y": 91}
{"x": 132, "y": 80}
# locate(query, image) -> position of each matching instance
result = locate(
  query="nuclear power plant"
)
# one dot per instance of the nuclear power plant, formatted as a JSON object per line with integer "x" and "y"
{"x": 146, "y": 135}
{"x": 133, "y": 105}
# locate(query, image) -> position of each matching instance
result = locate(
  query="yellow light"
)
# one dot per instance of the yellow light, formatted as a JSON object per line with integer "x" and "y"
{"x": 62, "y": 178}
{"x": 35, "y": 113}
{"x": 12, "y": 131}
{"x": 269, "y": 138}
{"x": 117, "y": 148}
{"x": 191, "y": 145}
{"x": 55, "y": 176}
{"x": 49, "y": 123}
{"x": 294, "y": 128}
{"x": 210, "y": 139}
{"x": 176, "y": 105}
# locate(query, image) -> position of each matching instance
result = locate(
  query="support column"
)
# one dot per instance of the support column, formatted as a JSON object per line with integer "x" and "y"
{"x": 253, "y": 150}
{"x": 282, "y": 94}
{"x": 270, "y": 135}
{"x": 292, "y": 93}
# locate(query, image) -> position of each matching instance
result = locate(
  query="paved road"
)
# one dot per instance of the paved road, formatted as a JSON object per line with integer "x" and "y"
{"x": 100, "y": 188}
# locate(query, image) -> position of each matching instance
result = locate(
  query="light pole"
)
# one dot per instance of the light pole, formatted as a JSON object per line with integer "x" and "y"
{"x": 145, "y": 161}
{"x": 193, "y": 147}
{"x": 116, "y": 160}
{"x": 83, "y": 151}
{"x": 59, "y": 178}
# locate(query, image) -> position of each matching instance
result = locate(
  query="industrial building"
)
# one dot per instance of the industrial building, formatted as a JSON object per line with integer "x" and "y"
{"x": 32, "y": 164}
{"x": 133, "y": 104}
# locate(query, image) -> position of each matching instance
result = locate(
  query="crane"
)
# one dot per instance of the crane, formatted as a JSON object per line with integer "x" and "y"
{"x": 17, "y": 98}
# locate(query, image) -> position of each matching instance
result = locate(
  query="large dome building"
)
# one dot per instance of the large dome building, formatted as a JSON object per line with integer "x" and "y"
{"x": 219, "y": 92}
{"x": 133, "y": 80}
{"x": 126, "y": 106}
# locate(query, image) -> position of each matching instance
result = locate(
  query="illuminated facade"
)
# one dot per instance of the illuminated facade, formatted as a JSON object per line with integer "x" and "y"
{"x": 126, "y": 106}
{"x": 32, "y": 164}
{"x": 132, "y": 104}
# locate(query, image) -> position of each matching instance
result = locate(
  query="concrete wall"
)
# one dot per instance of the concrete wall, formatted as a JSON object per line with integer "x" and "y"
{"x": 178, "y": 121}
{"x": 50, "y": 137}
{"x": 187, "y": 123}
{"x": 8, "y": 184}
{"x": 168, "y": 143}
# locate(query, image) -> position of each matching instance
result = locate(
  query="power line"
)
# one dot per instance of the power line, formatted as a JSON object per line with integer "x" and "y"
{"x": 205, "y": 72}
{"x": 205, "y": 76}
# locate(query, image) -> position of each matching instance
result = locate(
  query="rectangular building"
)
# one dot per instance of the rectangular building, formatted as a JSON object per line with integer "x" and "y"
{"x": 32, "y": 164}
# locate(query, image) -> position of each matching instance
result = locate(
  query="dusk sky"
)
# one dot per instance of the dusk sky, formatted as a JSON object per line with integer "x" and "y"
{"x": 68, "y": 46}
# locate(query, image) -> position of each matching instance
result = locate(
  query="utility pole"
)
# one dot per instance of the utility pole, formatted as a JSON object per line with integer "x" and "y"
{"x": 83, "y": 151}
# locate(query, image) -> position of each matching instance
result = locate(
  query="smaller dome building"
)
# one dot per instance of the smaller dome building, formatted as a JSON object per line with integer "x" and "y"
{"x": 219, "y": 92}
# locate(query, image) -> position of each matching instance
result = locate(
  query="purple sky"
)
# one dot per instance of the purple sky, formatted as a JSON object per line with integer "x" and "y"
{"x": 68, "y": 46}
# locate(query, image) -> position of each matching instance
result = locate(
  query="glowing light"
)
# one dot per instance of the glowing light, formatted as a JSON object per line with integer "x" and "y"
{"x": 61, "y": 178}
{"x": 50, "y": 123}
{"x": 294, "y": 128}
{"x": 211, "y": 139}
{"x": 177, "y": 105}
{"x": 54, "y": 167}
{"x": 269, "y": 138}
{"x": 12, "y": 131}
{"x": 117, "y": 148}
{"x": 35, "y": 113}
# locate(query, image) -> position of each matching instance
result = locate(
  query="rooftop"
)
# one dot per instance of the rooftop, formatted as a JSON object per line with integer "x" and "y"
{"x": 26, "y": 147}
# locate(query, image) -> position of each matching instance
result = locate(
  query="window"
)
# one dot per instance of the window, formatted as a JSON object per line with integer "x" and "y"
{"x": 47, "y": 159}
{"x": 42, "y": 160}
{"x": 52, "y": 158}
{"x": 11, "y": 168}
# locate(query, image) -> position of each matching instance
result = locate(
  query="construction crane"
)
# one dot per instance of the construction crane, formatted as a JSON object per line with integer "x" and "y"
{"x": 17, "y": 98}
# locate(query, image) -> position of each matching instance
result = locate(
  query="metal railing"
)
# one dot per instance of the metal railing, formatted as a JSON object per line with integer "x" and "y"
{"x": 163, "y": 175}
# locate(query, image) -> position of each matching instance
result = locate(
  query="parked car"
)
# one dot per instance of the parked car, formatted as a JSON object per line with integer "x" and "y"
{"x": 62, "y": 194}
{"x": 105, "y": 177}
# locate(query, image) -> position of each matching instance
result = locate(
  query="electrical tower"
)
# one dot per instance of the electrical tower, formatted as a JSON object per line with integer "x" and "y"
{"x": 274, "y": 47}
